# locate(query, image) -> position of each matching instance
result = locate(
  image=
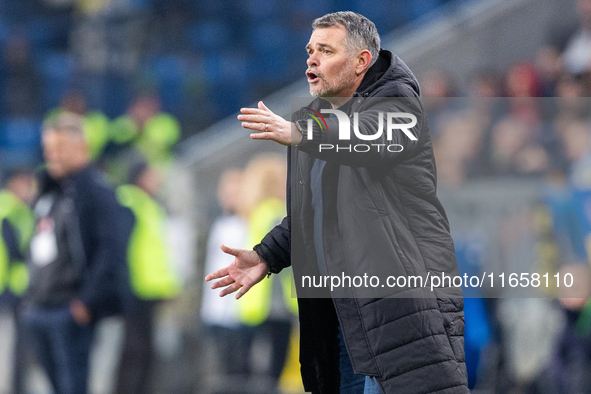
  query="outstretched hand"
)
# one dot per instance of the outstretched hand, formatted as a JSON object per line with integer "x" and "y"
{"x": 268, "y": 125}
{"x": 246, "y": 270}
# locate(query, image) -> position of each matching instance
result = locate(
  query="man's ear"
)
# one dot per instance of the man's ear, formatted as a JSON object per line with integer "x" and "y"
{"x": 363, "y": 62}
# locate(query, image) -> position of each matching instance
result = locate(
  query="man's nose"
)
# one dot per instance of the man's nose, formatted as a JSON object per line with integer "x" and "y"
{"x": 312, "y": 61}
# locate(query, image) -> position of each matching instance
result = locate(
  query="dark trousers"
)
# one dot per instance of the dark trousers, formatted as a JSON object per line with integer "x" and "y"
{"x": 229, "y": 348}
{"x": 62, "y": 347}
{"x": 138, "y": 353}
{"x": 20, "y": 354}
{"x": 277, "y": 331}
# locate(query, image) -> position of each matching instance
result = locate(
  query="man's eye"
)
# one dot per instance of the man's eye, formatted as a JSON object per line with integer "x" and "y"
{"x": 327, "y": 51}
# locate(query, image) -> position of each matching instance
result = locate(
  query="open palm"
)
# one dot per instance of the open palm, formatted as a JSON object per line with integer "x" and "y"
{"x": 246, "y": 270}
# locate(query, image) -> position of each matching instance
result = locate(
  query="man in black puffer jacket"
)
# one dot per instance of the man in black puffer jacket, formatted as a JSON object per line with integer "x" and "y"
{"x": 349, "y": 212}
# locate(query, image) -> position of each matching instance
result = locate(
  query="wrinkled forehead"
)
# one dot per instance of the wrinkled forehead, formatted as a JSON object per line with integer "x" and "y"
{"x": 333, "y": 36}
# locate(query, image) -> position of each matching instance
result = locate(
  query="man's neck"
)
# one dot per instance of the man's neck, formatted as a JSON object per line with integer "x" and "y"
{"x": 337, "y": 102}
{"x": 74, "y": 170}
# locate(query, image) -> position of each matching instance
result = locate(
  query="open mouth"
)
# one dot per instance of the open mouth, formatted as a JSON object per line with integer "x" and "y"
{"x": 312, "y": 77}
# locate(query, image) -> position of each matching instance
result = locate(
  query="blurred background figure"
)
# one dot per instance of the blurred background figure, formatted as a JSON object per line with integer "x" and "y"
{"x": 22, "y": 84}
{"x": 74, "y": 257}
{"x": 145, "y": 129}
{"x": 150, "y": 275}
{"x": 485, "y": 84}
{"x": 17, "y": 224}
{"x": 96, "y": 124}
{"x": 577, "y": 57}
{"x": 267, "y": 313}
{"x": 219, "y": 315}
{"x": 568, "y": 371}
{"x": 438, "y": 83}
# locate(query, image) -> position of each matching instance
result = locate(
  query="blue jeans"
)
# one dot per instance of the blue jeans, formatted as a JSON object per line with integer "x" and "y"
{"x": 350, "y": 382}
{"x": 61, "y": 346}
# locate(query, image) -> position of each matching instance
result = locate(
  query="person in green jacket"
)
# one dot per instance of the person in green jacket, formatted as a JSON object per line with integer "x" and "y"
{"x": 151, "y": 277}
{"x": 16, "y": 223}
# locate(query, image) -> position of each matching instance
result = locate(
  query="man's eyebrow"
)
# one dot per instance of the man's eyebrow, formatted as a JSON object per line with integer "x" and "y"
{"x": 319, "y": 45}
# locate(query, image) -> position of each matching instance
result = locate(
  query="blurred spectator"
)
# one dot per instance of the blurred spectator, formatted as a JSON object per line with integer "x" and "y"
{"x": 576, "y": 140}
{"x": 22, "y": 83}
{"x": 220, "y": 314}
{"x": 457, "y": 147}
{"x": 569, "y": 86}
{"x": 436, "y": 88}
{"x": 515, "y": 151}
{"x": 549, "y": 64}
{"x": 147, "y": 129}
{"x": 485, "y": 84}
{"x": 269, "y": 310}
{"x": 438, "y": 84}
{"x": 522, "y": 80}
{"x": 151, "y": 277}
{"x": 569, "y": 369}
{"x": 570, "y": 106}
{"x": 17, "y": 228}
{"x": 577, "y": 56}
{"x": 75, "y": 255}
{"x": 16, "y": 223}
{"x": 470, "y": 254}
{"x": 96, "y": 124}
{"x": 517, "y": 139}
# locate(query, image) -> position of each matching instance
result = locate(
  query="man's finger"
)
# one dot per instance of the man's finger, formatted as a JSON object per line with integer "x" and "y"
{"x": 263, "y": 106}
{"x": 254, "y": 118}
{"x": 218, "y": 274}
{"x": 230, "y": 289}
{"x": 229, "y": 250}
{"x": 254, "y": 126}
{"x": 242, "y": 291}
{"x": 252, "y": 111}
{"x": 261, "y": 136}
{"x": 228, "y": 280}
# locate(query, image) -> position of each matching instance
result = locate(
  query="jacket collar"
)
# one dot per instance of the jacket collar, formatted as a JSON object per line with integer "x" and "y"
{"x": 389, "y": 68}
{"x": 48, "y": 183}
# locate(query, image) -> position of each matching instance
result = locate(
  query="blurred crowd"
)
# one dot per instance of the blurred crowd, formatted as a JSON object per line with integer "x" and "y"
{"x": 531, "y": 121}
{"x": 525, "y": 134}
{"x": 203, "y": 59}
{"x": 133, "y": 155}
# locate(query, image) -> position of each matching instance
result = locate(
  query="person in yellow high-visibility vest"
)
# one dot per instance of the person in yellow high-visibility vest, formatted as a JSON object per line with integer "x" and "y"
{"x": 16, "y": 223}
{"x": 144, "y": 128}
{"x": 150, "y": 273}
{"x": 270, "y": 309}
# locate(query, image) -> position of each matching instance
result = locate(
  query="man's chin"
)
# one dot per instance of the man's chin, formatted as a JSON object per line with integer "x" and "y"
{"x": 319, "y": 93}
{"x": 315, "y": 92}
{"x": 56, "y": 172}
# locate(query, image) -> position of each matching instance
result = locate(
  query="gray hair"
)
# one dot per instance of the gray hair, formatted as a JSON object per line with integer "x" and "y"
{"x": 65, "y": 121}
{"x": 361, "y": 32}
